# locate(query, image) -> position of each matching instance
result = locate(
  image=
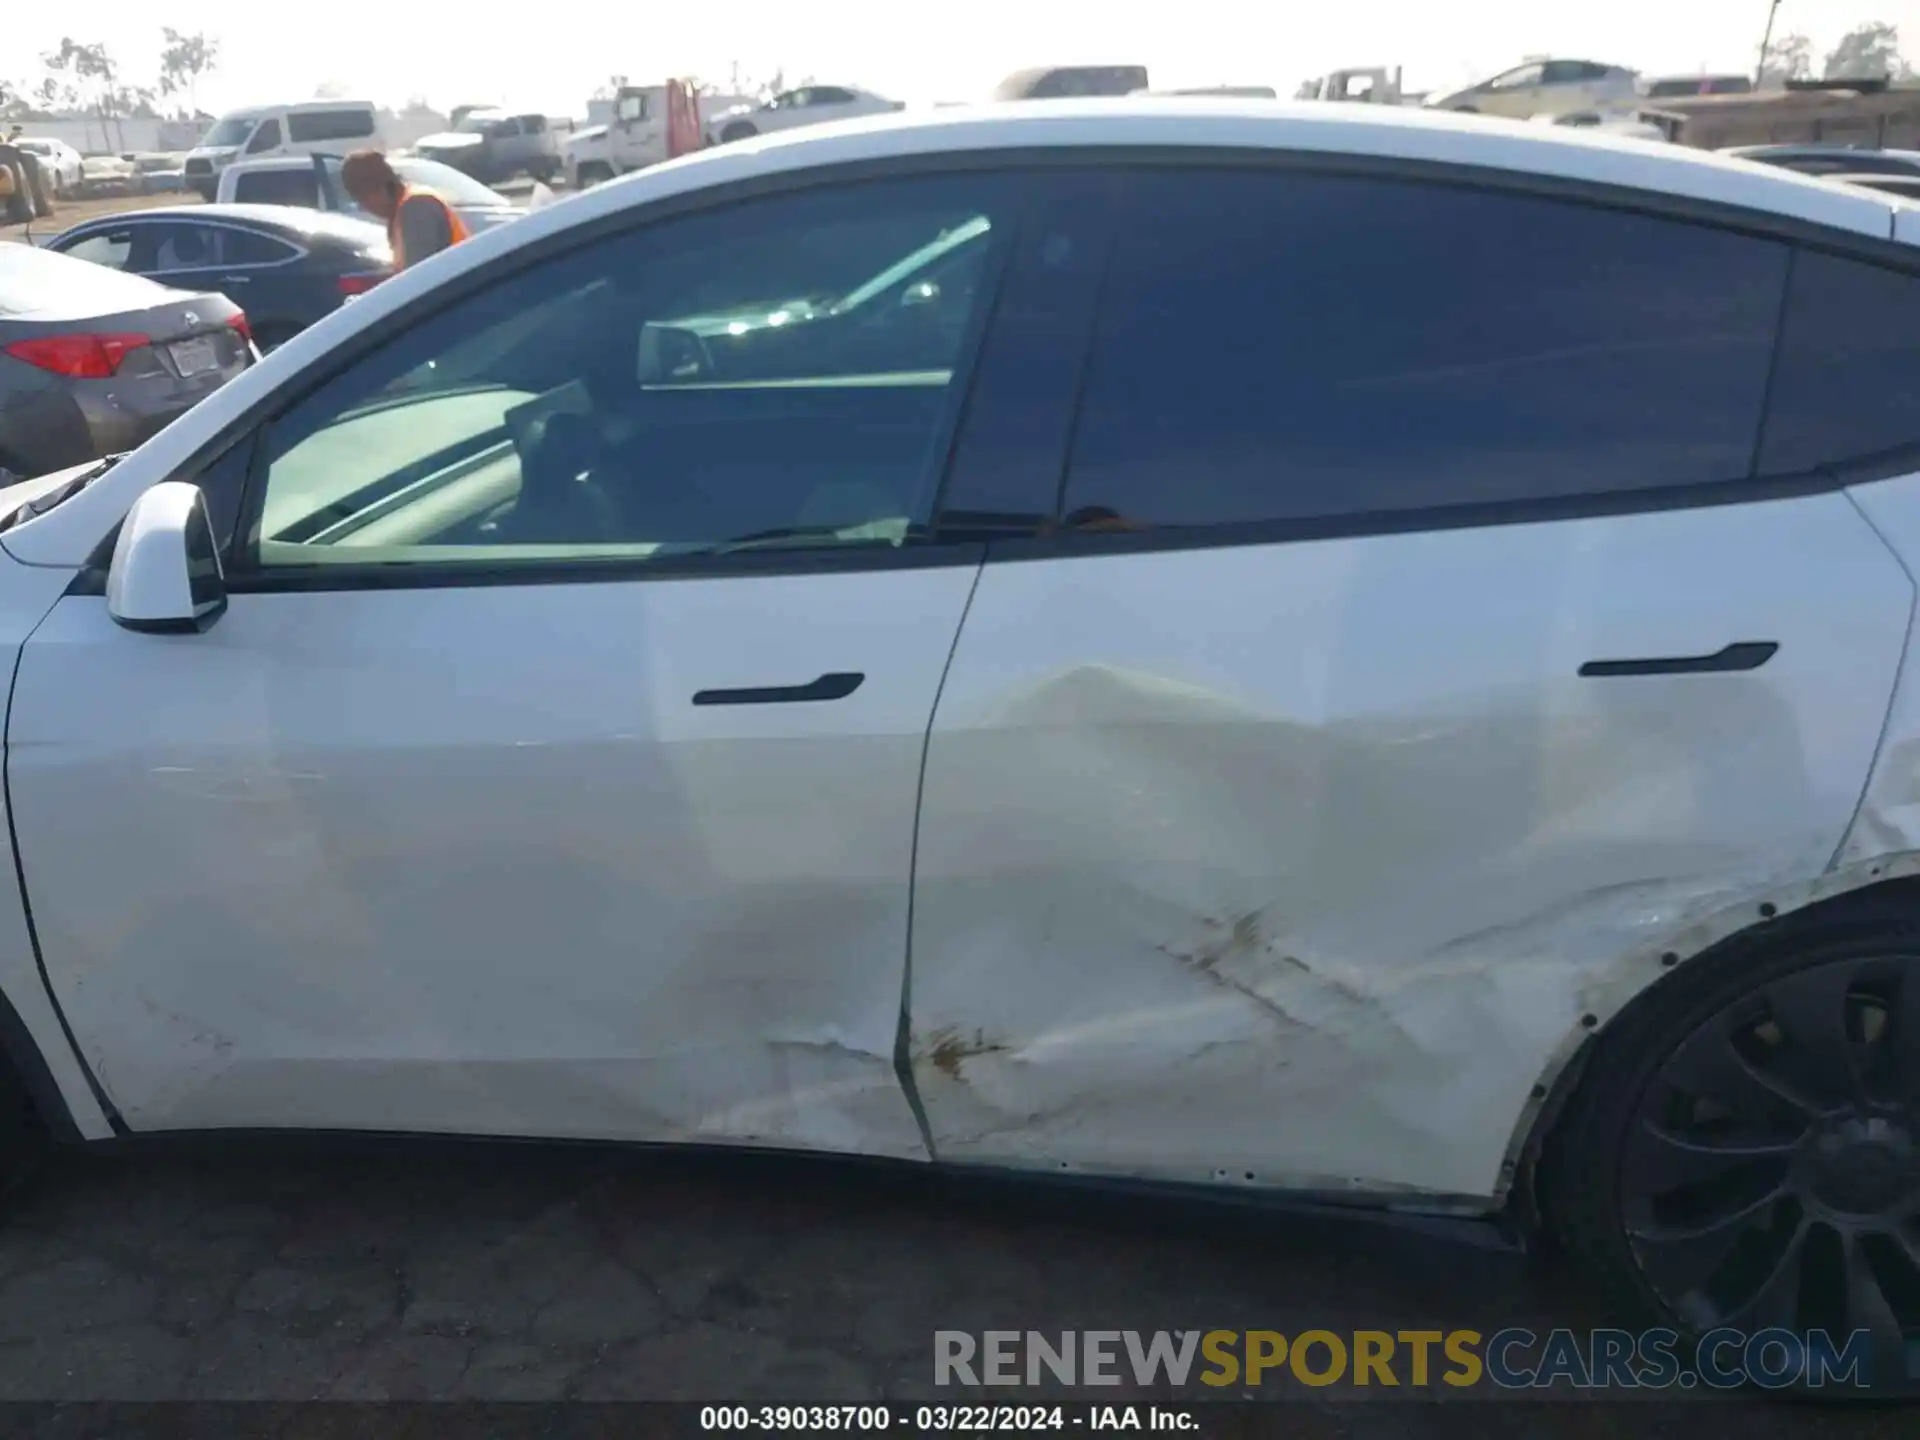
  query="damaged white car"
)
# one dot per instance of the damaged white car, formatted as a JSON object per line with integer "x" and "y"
{"x": 1062, "y": 641}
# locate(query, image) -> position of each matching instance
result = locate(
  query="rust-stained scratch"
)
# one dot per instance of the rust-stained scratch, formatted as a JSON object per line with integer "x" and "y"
{"x": 949, "y": 1050}
{"x": 1244, "y": 937}
{"x": 1224, "y": 942}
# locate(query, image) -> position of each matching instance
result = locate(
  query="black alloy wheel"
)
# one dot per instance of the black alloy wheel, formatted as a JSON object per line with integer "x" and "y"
{"x": 1769, "y": 1172}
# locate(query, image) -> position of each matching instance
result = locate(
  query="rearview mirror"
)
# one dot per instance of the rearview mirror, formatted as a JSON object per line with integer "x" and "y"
{"x": 165, "y": 577}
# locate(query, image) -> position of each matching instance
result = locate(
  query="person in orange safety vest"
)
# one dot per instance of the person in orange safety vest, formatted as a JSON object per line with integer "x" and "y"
{"x": 419, "y": 223}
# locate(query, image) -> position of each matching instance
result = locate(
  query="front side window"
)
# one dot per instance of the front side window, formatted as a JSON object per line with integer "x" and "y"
{"x": 1524, "y": 78}
{"x": 267, "y": 137}
{"x": 1269, "y": 347}
{"x": 112, "y": 248}
{"x": 778, "y": 373}
{"x": 633, "y": 107}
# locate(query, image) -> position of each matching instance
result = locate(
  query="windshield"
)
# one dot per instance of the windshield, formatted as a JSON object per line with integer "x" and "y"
{"x": 477, "y": 123}
{"x": 234, "y": 130}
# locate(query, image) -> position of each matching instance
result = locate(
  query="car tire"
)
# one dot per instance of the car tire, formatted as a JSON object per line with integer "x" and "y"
{"x": 18, "y": 204}
{"x": 1743, "y": 1146}
{"x": 594, "y": 172}
{"x": 738, "y": 130}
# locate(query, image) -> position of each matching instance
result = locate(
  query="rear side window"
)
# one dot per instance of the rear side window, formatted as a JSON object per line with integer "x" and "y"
{"x": 309, "y": 125}
{"x": 1277, "y": 347}
{"x": 278, "y": 187}
{"x": 250, "y": 247}
{"x": 1847, "y": 390}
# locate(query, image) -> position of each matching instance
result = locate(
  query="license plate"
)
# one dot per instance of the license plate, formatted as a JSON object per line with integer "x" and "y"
{"x": 195, "y": 357}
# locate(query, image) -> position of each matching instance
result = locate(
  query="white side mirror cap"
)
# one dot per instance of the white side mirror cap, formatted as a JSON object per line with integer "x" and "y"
{"x": 165, "y": 577}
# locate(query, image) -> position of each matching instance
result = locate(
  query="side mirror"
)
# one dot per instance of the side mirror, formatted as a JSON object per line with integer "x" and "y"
{"x": 165, "y": 577}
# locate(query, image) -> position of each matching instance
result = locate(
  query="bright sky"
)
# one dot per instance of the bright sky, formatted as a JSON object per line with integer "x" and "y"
{"x": 550, "y": 57}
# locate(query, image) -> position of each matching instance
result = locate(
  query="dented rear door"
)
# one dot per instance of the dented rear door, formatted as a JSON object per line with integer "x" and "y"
{"x": 1418, "y": 642}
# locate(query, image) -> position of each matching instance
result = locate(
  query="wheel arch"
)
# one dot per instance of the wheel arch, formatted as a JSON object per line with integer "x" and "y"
{"x": 24, "y": 1071}
{"x": 1885, "y": 887}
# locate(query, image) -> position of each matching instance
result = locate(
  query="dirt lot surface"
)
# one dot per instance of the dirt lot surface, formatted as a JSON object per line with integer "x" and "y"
{"x": 72, "y": 212}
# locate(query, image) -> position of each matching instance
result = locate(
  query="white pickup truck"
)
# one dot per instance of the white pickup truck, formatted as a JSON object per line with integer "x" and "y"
{"x": 636, "y": 135}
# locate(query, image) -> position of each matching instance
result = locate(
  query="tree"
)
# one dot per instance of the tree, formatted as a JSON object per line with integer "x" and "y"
{"x": 77, "y": 70}
{"x": 1788, "y": 58}
{"x": 183, "y": 60}
{"x": 1867, "y": 53}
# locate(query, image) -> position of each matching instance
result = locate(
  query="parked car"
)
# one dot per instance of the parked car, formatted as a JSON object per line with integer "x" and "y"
{"x": 1308, "y": 738}
{"x": 285, "y": 266}
{"x": 491, "y": 145}
{"x": 92, "y": 362}
{"x": 59, "y": 162}
{"x": 809, "y": 105}
{"x": 318, "y": 126}
{"x": 314, "y": 182}
{"x": 1829, "y": 160}
{"x": 1626, "y": 121}
{"x": 1071, "y": 82}
{"x": 1668, "y": 87}
{"x": 1905, "y": 186}
{"x": 159, "y": 174}
{"x": 1545, "y": 86}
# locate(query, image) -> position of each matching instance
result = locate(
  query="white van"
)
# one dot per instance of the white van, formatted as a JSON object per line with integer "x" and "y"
{"x": 317, "y": 125}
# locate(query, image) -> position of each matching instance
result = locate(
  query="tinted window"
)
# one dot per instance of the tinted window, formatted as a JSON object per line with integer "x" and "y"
{"x": 265, "y": 138}
{"x": 250, "y": 247}
{"x": 184, "y": 245}
{"x": 778, "y": 373}
{"x": 178, "y": 246}
{"x": 830, "y": 95}
{"x": 349, "y": 124}
{"x": 1275, "y": 346}
{"x": 290, "y": 186}
{"x": 1848, "y": 382}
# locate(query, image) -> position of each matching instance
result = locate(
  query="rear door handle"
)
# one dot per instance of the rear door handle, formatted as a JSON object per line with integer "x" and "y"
{"x": 1742, "y": 655}
{"x": 836, "y": 685}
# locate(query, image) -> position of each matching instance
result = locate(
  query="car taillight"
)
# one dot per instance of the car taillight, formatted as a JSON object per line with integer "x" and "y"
{"x": 240, "y": 326}
{"x": 359, "y": 284}
{"x": 82, "y": 357}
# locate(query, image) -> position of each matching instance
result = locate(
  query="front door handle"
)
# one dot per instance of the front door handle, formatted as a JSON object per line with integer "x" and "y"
{"x": 836, "y": 685}
{"x": 1743, "y": 655}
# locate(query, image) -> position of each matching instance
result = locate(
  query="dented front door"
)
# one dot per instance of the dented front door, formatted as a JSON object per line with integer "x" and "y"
{"x": 621, "y": 861}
